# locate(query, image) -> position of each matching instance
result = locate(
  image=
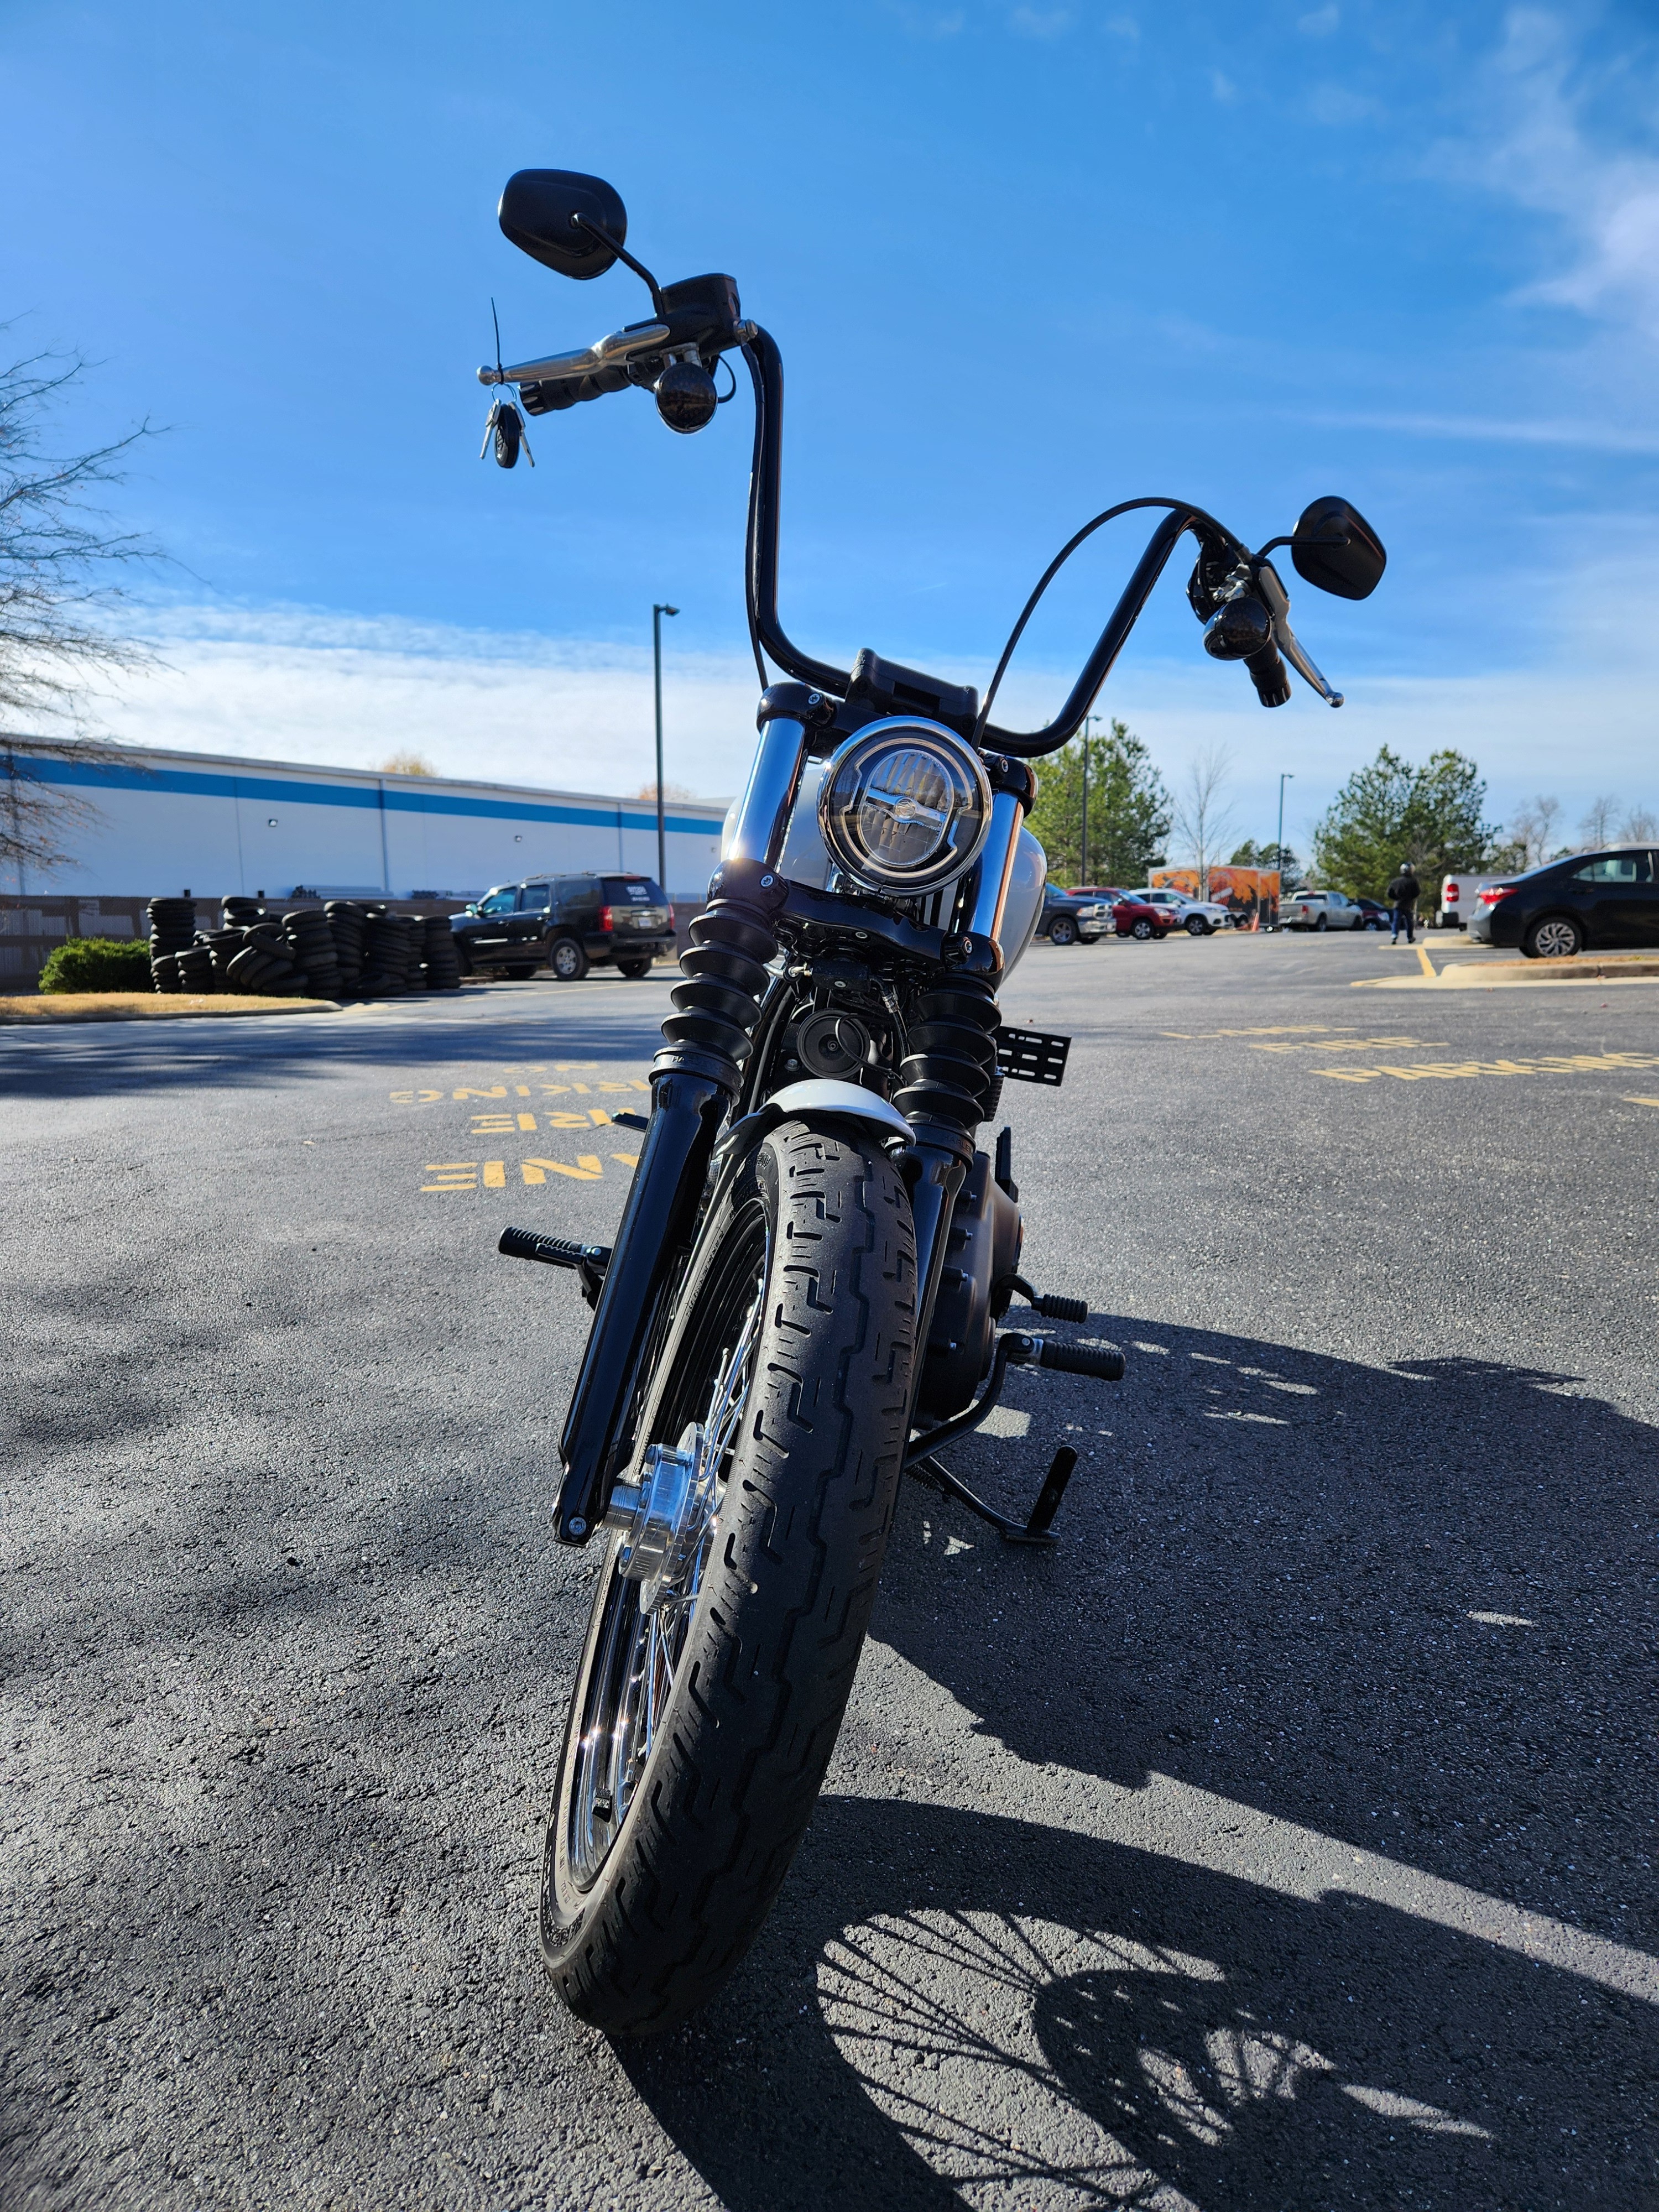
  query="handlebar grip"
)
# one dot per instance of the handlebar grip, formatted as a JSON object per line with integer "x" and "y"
{"x": 551, "y": 395}
{"x": 1272, "y": 685}
{"x": 1082, "y": 1359}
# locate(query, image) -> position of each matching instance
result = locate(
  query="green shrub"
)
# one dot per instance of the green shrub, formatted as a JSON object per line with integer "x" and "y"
{"x": 98, "y": 964}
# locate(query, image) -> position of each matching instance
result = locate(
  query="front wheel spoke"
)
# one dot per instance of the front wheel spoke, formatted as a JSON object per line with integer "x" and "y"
{"x": 633, "y": 1681}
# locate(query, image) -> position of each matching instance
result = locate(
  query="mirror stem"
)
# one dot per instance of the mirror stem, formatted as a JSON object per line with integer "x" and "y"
{"x": 1274, "y": 544}
{"x": 586, "y": 222}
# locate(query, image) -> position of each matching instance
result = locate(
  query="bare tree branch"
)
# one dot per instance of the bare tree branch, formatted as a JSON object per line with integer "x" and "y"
{"x": 1533, "y": 828}
{"x": 1597, "y": 828}
{"x": 60, "y": 566}
{"x": 1203, "y": 817}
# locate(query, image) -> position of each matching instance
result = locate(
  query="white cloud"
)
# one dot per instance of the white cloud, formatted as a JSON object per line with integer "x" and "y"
{"x": 343, "y": 690}
{"x": 294, "y": 685}
{"x": 1320, "y": 22}
{"x": 931, "y": 22}
{"x": 1334, "y": 105}
{"x": 1535, "y": 148}
{"x": 1591, "y": 436}
{"x": 1224, "y": 87}
{"x": 1041, "y": 22}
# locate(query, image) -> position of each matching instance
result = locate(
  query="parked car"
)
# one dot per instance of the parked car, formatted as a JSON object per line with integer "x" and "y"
{"x": 1589, "y": 899}
{"x": 1377, "y": 916}
{"x": 1319, "y": 910}
{"x": 1460, "y": 897}
{"x": 568, "y": 924}
{"x": 1134, "y": 916}
{"x": 1477, "y": 922}
{"x": 1198, "y": 917}
{"x": 1068, "y": 919}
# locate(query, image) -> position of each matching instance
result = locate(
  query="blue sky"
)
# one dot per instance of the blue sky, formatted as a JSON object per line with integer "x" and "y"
{"x": 1022, "y": 261}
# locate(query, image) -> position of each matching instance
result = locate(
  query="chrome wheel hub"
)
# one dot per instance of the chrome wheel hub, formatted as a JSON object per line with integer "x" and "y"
{"x": 663, "y": 1517}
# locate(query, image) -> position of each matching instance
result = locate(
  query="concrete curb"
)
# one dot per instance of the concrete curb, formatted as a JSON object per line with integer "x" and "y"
{"x": 141, "y": 1006}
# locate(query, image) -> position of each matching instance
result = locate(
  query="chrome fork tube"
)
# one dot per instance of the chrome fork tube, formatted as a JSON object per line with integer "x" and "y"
{"x": 1013, "y": 790}
{"x": 996, "y": 866}
{"x": 769, "y": 798}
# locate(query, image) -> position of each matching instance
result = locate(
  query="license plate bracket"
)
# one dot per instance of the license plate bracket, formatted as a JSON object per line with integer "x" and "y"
{"x": 1033, "y": 1055}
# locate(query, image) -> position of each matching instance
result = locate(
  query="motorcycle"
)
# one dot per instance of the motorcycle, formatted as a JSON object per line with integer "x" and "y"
{"x": 805, "y": 1298}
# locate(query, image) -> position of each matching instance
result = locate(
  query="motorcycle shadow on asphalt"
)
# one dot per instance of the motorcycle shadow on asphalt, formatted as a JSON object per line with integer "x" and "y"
{"x": 1006, "y": 2012}
{"x": 953, "y": 2005}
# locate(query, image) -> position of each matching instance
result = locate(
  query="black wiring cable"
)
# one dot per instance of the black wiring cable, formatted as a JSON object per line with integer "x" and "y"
{"x": 1125, "y": 507}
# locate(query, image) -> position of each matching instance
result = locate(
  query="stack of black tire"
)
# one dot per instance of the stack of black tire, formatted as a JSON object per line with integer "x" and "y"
{"x": 311, "y": 947}
{"x": 443, "y": 961}
{"x": 383, "y": 957}
{"x": 344, "y": 950}
{"x": 345, "y": 922}
{"x": 171, "y": 931}
{"x": 259, "y": 961}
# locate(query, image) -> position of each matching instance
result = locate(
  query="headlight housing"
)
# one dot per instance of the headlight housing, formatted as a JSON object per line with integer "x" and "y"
{"x": 904, "y": 806}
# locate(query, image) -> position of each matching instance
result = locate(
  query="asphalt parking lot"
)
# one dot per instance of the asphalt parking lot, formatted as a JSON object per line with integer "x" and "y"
{"x": 1283, "y": 1838}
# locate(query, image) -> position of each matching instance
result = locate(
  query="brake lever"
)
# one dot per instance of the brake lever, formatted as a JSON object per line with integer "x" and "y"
{"x": 1277, "y": 600}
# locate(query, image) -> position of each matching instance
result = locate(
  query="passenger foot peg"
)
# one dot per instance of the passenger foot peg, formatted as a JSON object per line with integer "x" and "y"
{"x": 1051, "y": 1306}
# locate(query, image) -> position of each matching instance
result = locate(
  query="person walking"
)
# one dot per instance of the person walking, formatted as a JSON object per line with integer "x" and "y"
{"x": 1403, "y": 897}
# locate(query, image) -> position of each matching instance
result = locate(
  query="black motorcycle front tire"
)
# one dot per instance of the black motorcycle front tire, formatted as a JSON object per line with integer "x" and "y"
{"x": 763, "y": 1677}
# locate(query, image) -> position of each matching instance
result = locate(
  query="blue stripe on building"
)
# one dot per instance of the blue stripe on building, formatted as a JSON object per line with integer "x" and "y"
{"x": 204, "y": 783}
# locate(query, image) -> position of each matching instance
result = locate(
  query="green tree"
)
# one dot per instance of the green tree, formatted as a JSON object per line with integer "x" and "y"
{"x": 1392, "y": 812}
{"x": 1129, "y": 810}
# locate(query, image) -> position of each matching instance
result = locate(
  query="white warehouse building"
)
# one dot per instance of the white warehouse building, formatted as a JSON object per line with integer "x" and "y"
{"x": 151, "y": 823}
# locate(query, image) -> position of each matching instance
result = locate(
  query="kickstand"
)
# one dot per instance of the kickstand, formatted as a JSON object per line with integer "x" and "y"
{"x": 1036, "y": 1528}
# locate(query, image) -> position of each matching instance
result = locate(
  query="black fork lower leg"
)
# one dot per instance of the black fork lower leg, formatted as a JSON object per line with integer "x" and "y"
{"x": 694, "y": 1080}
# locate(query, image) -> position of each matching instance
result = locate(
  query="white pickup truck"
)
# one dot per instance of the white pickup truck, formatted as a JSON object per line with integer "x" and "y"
{"x": 1319, "y": 910}
{"x": 1458, "y": 895}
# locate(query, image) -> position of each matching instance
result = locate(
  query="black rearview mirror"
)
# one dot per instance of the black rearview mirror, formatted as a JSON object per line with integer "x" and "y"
{"x": 540, "y": 210}
{"x": 1336, "y": 548}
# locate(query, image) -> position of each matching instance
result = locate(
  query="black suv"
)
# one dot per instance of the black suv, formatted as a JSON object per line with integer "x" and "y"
{"x": 568, "y": 924}
{"x": 1593, "y": 898}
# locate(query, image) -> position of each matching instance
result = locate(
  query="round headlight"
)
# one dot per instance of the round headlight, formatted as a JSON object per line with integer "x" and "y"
{"x": 904, "y": 806}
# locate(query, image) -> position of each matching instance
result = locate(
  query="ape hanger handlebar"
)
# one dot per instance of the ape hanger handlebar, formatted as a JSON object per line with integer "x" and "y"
{"x": 1238, "y": 595}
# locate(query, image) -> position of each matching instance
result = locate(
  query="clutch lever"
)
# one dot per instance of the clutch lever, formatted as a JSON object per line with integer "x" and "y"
{"x": 1277, "y": 600}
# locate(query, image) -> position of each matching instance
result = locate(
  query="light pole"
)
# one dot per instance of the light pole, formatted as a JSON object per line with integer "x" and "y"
{"x": 657, "y": 614}
{"x": 1087, "y": 719}
{"x": 1279, "y": 850}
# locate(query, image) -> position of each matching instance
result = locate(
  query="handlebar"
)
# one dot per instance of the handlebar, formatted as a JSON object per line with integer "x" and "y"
{"x": 604, "y": 352}
{"x": 632, "y": 354}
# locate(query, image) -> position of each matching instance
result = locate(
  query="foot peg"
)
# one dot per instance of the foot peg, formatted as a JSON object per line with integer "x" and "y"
{"x": 1014, "y": 1349}
{"x": 1082, "y": 1359}
{"x": 589, "y": 1261}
